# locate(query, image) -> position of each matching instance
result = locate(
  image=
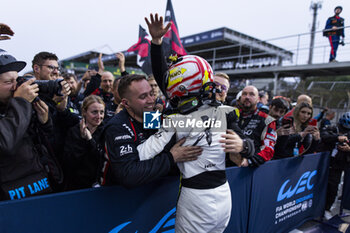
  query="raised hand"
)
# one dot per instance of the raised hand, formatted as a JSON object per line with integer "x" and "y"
{"x": 62, "y": 100}
{"x": 121, "y": 59}
{"x": 84, "y": 131}
{"x": 156, "y": 28}
{"x": 6, "y": 30}
{"x": 101, "y": 67}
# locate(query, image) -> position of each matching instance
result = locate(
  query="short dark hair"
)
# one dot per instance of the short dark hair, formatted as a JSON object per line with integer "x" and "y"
{"x": 67, "y": 76}
{"x": 280, "y": 103}
{"x": 116, "y": 80}
{"x": 126, "y": 81}
{"x": 41, "y": 57}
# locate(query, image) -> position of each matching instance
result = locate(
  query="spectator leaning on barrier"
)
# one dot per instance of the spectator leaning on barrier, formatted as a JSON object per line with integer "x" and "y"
{"x": 82, "y": 149}
{"x": 302, "y": 138}
{"x": 124, "y": 132}
{"x": 258, "y": 126}
{"x": 278, "y": 107}
{"x": 22, "y": 174}
{"x": 334, "y": 30}
{"x": 336, "y": 140}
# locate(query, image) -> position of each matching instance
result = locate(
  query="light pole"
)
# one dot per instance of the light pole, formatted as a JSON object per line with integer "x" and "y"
{"x": 314, "y": 6}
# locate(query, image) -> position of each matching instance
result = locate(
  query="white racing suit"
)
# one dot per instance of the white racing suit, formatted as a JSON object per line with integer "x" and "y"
{"x": 204, "y": 204}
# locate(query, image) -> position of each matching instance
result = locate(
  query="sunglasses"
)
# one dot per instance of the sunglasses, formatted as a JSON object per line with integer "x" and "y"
{"x": 222, "y": 87}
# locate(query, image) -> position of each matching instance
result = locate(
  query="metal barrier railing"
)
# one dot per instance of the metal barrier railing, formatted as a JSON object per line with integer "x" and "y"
{"x": 298, "y": 44}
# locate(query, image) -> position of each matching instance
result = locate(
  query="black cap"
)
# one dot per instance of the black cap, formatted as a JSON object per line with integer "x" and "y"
{"x": 338, "y": 7}
{"x": 9, "y": 63}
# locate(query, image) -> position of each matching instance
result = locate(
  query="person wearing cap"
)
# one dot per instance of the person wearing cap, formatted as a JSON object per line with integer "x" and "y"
{"x": 21, "y": 169}
{"x": 334, "y": 30}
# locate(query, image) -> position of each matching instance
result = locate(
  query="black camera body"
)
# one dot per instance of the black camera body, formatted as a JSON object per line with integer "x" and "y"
{"x": 46, "y": 87}
{"x": 342, "y": 143}
{"x": 287, "y": 122}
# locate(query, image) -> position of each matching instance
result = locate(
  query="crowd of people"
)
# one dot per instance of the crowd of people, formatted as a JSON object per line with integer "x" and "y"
{"x": 68, "y": 134}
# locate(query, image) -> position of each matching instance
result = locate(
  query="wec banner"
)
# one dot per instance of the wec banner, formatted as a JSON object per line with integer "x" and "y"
{"x": 275, "y": 197}
{"x": 150, "y": 208}
{"x": 288, "y": 192}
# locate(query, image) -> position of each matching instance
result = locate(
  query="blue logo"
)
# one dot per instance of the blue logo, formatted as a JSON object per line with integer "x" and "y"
{"x": 151, "y": 120}
{"x": 166, "y": 224}
{"x": 304, "y": 182}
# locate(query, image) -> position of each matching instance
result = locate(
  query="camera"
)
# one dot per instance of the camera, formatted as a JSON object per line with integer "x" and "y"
{"x": 287, "y": 122}
{"x": 46, "y": 87}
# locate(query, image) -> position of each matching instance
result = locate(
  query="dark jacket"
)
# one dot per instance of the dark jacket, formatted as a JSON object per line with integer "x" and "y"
{"x": 123, "y": 166}
{"x": 62, "y": 121}
{"x": 329, "y": 136}
{"x": 81, "y": 158}
{"x": 20, "y": 164}
{"x": 261, "y": 128}
{"x": 334, "y": 21}
{"x": 93, "y": 88}
{"x": 287, "y": 143}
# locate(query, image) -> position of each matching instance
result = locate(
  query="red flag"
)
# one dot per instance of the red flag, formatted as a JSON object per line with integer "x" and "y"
{"x": 171, "y": 41}
{"x": 142, "y": 47}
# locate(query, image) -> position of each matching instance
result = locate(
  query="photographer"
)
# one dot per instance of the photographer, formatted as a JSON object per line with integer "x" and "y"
{"x": 336, "y": 140}
{"x": 22, "y": 174}
{"x": 46, "y": 69}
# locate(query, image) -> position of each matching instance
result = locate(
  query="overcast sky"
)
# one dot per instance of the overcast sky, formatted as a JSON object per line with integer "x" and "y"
{"x": 68, "y": 28}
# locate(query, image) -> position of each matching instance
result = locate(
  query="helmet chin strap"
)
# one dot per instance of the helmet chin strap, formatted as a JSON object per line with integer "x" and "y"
{"x": 206, "y": 95}
{"x": 209, "y": 96}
